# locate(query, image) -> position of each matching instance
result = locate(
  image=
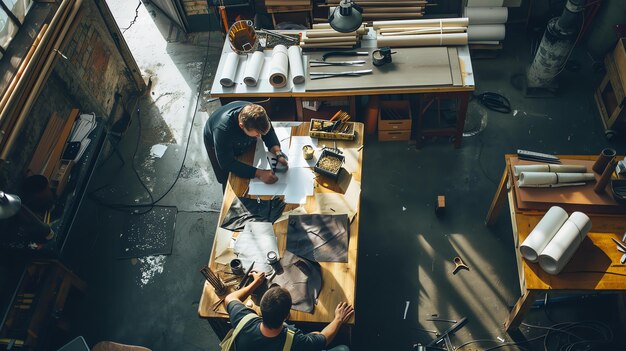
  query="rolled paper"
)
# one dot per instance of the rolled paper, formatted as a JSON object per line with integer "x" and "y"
{"x": 486, "y": 15}
{"x": 444, "y": 22}
{"x": 606, "y": 176}
{"x": 484, "y": 3}
{"x": 603, "y": 160}
{"x": 295, "y": 62}
{"x": 539, "y": 179}
{"x": 253, "y": 68}
{"x": 489, "y": 32}
{"x": 564, "y": 244}
{"x": 280, "y": 66}
{"x": 423, "y": 40}
{"x": 229, "y": 71}
{"x": 543, "y": 232}
{"x": 549, "y": 168}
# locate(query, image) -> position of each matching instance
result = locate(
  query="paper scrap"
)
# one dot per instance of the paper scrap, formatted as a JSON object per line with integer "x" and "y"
{"x": 158, "y": 150}
{"x": 406, "y": 309}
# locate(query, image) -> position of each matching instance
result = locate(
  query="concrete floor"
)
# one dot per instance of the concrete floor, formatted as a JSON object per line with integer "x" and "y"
{"x": 405, "y": 251}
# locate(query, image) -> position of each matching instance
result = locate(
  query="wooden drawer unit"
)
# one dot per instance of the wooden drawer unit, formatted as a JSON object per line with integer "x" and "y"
{"x": 394, "y": 135}
{"x": 394, "y": 120}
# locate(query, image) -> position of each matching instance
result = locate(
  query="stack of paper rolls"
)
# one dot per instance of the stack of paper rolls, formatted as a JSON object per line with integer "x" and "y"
{"x": 486, "y": 21}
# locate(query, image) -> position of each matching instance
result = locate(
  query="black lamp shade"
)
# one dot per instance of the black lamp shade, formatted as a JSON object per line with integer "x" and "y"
{"x": 347, "y": 17}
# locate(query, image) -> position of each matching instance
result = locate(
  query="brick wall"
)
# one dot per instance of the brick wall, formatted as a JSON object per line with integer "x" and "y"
{"x": 88, "y": 79}
{"x": 195, "y": 7}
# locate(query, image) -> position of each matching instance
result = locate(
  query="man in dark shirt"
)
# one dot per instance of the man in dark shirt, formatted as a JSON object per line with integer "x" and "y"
{"x": 269, "y": 331}
{"x": 228, "y": 133}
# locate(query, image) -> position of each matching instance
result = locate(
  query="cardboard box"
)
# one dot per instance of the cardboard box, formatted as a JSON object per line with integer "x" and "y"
{"x": 394, "y": 115}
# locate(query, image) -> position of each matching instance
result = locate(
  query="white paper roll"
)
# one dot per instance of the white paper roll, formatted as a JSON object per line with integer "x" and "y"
{"x": 564, "y": 244}
{"x": 295, "y": 62}
{"x": 549, "y": 168}
{"x": 229, "y": 71}
{"x": 484, "y": 3}
{"x": 543, "y": 232}
{"x": 489, "y": 32}
{"x": 253, "y": 68}
{"x": 538, "y": 179}
{"x": 486, "y": 15}
{"x": 280, "y": 66}
{"x": 423, "y": 40}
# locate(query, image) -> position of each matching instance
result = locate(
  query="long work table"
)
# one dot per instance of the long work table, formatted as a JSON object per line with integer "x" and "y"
{"x": 444, "y": 72}
{"x": 338, "y": 279}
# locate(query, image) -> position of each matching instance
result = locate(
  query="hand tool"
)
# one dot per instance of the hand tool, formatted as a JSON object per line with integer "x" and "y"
{"x": 344, "y": 53}
{"x": 246, "y": 277}
{"x": 321, "y": 75}
{"x": 319, "y": 63}
{"x": 270, "y": 163}
{"x": 620, "y": 244}
{"x": 459, "y": 264}
{"x": 441, "y": 320}
{"x": 458, "y": 325}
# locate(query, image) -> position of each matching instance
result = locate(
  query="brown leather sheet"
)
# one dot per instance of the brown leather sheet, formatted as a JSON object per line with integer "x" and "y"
{"x": 575, "y": 198}
{"x": 411, "y": 67}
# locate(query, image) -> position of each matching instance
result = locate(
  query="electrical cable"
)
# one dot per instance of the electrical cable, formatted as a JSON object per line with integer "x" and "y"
{"x": 134, "y": 19}
{"x": 153, "y": 202}
{"x": 494, "y": 101}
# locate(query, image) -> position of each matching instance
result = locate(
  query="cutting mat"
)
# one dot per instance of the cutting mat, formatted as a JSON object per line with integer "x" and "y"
{"x": 411, "y": 67}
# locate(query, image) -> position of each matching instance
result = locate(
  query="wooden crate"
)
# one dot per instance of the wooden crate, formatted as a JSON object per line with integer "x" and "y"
{"x": 610, "y": 95}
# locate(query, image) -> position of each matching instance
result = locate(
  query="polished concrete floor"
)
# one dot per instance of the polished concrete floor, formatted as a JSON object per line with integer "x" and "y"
{"x": 405, "y": 251}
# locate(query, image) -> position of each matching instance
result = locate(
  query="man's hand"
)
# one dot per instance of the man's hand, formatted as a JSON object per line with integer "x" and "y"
{"x": 266, "y": 176}
{"x": 343, "y": 312}
{"x": 257, "y": 278}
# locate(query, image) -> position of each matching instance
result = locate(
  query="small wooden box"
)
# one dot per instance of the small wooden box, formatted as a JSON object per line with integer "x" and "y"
{"x": 394, "y": 135}
{"x": 394, "y": 115}
{"x": 349, "y": 133}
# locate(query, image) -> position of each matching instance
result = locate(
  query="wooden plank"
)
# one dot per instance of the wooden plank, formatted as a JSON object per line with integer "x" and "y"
{"x": 520, "y": 309}
{"x": 55, "y": 155}
{"x": 42, "y": 152}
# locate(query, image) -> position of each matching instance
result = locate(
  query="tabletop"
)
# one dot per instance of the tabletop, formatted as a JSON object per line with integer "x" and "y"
{"x": 339, "y": 279}
{"x": 299, "y": 90}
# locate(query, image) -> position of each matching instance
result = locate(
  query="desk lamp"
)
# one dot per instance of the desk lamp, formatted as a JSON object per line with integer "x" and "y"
{"x": 347, "y": 17}
{"x": 9, "y": 205}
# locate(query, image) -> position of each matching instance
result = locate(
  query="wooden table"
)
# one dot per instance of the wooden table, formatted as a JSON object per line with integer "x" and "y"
{"x": 339, "y": 279}
{"x": 299, "y": 92}
{"x": 595, "y": 266}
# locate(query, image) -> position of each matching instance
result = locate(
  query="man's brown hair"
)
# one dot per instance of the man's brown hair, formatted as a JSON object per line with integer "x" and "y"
{"x": 254, "y": 117}
{"x": 275, "y": 306}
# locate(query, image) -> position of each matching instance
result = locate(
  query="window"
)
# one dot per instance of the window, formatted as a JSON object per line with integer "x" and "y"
{"x": 12, "y": 14}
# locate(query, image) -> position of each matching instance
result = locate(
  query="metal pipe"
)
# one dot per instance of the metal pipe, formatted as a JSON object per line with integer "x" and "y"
{"x": 556, "y": 45}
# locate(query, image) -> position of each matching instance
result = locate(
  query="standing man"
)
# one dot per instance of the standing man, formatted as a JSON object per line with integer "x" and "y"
{"x": 269, "y": 332}
{"x": 230, "y": 130}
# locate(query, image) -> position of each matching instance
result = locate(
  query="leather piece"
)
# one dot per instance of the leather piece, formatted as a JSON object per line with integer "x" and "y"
{"x": 321, "y": 238}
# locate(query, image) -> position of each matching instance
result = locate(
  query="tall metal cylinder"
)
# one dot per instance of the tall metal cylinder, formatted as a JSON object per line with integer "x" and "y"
{"x": 556, "y": 44}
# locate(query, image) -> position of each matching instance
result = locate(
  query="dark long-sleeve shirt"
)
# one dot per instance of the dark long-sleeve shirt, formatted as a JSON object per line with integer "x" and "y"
{"x": 222, "y": 132}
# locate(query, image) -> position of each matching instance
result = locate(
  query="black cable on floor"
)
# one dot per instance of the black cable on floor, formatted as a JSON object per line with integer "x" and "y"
{"x": 494, "y": 101}
{"x": 134, "y": 19}
{"x": 153, "y": 203}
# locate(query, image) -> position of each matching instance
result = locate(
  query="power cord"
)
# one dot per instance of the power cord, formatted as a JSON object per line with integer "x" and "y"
{"x": 494, "y": 101}
{"x": 153, "y": 202}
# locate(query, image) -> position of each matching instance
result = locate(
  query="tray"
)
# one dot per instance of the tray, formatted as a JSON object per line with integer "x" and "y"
{"x": 327, "y": 152}
{"x": 314, "y": 132}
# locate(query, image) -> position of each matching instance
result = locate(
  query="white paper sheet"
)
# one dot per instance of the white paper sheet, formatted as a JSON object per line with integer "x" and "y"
{"x": 253, "y": 244}
{"x": 566, "y": 241}
{"x": 295, "y": 64}
{"x": 296, "y": 157}
{"x": 229, "y": 72}
{"x": 300, "y": 183}
{"x": 333, "y": 203}
{"x": 280, "y": 66}
{"x": 543, "y": 232}
{"x": 254, "y": 65}
{"x": 224, "y": 246}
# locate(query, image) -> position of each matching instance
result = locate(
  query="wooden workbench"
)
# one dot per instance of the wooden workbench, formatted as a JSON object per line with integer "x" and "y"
{"x": 299, "y": 92}
{"x": 339, "y": 279}
{"x": 594, "y": 267}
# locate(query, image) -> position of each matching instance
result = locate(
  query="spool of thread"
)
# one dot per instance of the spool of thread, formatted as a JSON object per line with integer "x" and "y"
{"x": 605, "y": 177}
{"x": 236, "y": 267}
{"x": 603, "y": 160}
{"x": 272, "y": 257}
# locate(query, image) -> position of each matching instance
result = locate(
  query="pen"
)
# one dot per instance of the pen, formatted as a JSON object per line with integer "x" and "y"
{"x": 270, "y": 163}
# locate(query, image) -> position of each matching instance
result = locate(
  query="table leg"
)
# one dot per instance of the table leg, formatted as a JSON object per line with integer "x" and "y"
{"x": 299, "y": 109}
{"x": 498, "y": 199}
{"x": 524, "y": 303}
{"x": 463, "y": 100}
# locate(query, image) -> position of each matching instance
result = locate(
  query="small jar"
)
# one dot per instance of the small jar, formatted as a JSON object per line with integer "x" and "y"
{"x": 307, "y": 152}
